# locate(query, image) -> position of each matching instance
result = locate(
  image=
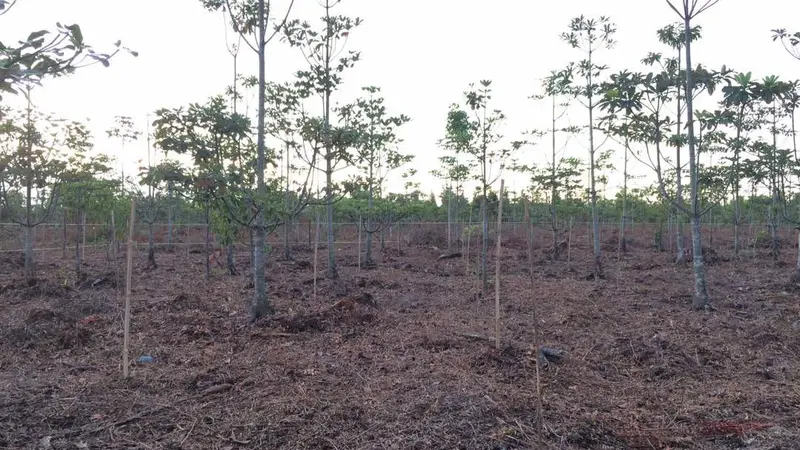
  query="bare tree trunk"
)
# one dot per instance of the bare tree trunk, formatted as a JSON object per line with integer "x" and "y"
{"x": 623, "y": 244}
{"x": 797, "y": 263}
{"x": 450, "y": 219}
{"x": 151, "y": 247}
{"x": 287, "y": 249}
{"x": 484, "y": 243}
{"x": 368, "y": 261}
{"x": 598, "y": 265}
{"x": 64, "y": 230}
{"x": 681, "y": 255}
{"x": 231, "y": 261}
{"x": 169, "y": 219}
{"x": 700, "y": 293}
{"x": 83, "y": 233}
{"x": 262, "y": 305}
{"x": 30, "y": 267}
{"x": 498, "y": 267}
{"x": 78, "y": 248}
{"x": 208, "y": 241}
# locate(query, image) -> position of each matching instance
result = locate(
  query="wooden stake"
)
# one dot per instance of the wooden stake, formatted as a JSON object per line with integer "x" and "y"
{"x": 528, "y": 229}
{"x": 497, "y": 267}
{"x": 127, "y": 320}
{"x": 534, "y": 307}
{"x": 467, "y": 270}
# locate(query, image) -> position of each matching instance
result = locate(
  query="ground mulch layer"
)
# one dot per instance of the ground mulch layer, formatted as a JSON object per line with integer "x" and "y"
{"x": 402, "y": 356}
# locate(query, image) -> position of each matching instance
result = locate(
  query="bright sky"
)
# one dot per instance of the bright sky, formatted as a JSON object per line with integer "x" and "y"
{"x": 422, "y": 53}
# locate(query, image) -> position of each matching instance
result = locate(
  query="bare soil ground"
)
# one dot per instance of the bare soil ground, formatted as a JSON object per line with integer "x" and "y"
{"x": 641, "y": 369}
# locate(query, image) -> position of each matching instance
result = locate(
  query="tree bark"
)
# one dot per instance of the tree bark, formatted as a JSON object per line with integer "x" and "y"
{"x": 30, "y": 267}
{"x": 700, "y": 300}
{"x": 262, "y": 305}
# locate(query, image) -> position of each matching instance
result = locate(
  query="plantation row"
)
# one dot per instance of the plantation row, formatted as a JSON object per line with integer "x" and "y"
{"x": 299, "y": 162}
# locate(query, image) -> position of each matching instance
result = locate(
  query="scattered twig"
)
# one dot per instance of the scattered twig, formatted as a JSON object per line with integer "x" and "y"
{"x": 189, "y": 432}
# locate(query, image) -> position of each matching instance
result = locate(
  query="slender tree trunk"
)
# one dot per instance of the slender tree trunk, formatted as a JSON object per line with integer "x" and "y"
{"x": 553, "y": 184}
{"x": 287, "y": 225}
{"x": 797, "y": 263}
{"x": 450, "y": 218}
{"x": 231, "y": 260}
{"x": 30, "y": 267}
{"x": 208, "y": 240}
{"x": 262, "y": 305}
{"x": 484, "y": 242}
{"x": 737, "y": 214}
{"x": 83, "y": 233}
{"x": 78, "y": 248}
{"x": 169, "y": 217}
{"x": 368, "y": 262}
{"x": 623, "y": 244}
{"x": 681, "y": 255}
{"x": 64, "y": 230}
{"x": 151, "y": 246}
{"x": 329, "y": 155}
{"x": 773, "y": 210}
{"x": 287, "y": 248}
{"x": 598, "y": 267}
{"x": 701, "y": 300}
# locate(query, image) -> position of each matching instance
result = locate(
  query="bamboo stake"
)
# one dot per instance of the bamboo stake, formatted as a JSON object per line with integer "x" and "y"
{"x": 497, "y": 268}
{"x": 127, "y": 320}
{"x": 536, "y": 333}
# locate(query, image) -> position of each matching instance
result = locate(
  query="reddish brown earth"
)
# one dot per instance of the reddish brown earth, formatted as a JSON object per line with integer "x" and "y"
{"x": 641, "y": 369}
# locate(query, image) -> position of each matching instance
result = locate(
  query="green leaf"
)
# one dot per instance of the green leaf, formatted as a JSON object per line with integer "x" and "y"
{"x": 77, "y": 35}
{"x": 36, "y": 36}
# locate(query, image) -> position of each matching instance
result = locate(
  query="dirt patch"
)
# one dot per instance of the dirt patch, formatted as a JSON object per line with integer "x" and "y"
{"x": 382, "y": 358}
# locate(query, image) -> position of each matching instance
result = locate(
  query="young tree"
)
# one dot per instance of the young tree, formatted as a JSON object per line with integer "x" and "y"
{"x": 31, "y": 171}
{"x": 739, "y": 98}
{"x": 376, "y": 153}
{"x": 489, "y": 160}
{"x": 551, "y": 180}
{"x": 589, "y": 36}
{"x": 86, "y": 183}
{"x": 673, "y": 36}
{"x": 454, "y": 170}
{"x": 125, "y": 130}
{"x": 622, "y": 94}
{"x": 770, "y": 91}
{"x": 211, "y": 134}
{"x": 286, "y": 119}
{"x": 324, "y": 51}
{"x": 251, "y": 18}
{"x": 688, "y": 11}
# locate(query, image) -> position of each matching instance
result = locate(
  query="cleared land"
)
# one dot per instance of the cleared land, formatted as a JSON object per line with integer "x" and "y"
{"x": 641, "y": 370}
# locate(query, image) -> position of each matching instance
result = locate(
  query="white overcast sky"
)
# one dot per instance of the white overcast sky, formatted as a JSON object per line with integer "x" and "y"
{"x": 422, "y": 53}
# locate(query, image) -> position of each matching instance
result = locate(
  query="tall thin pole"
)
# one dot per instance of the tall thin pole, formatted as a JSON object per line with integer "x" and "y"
{"x": 127, "y": 320}
{"x": 497, "y": 267}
